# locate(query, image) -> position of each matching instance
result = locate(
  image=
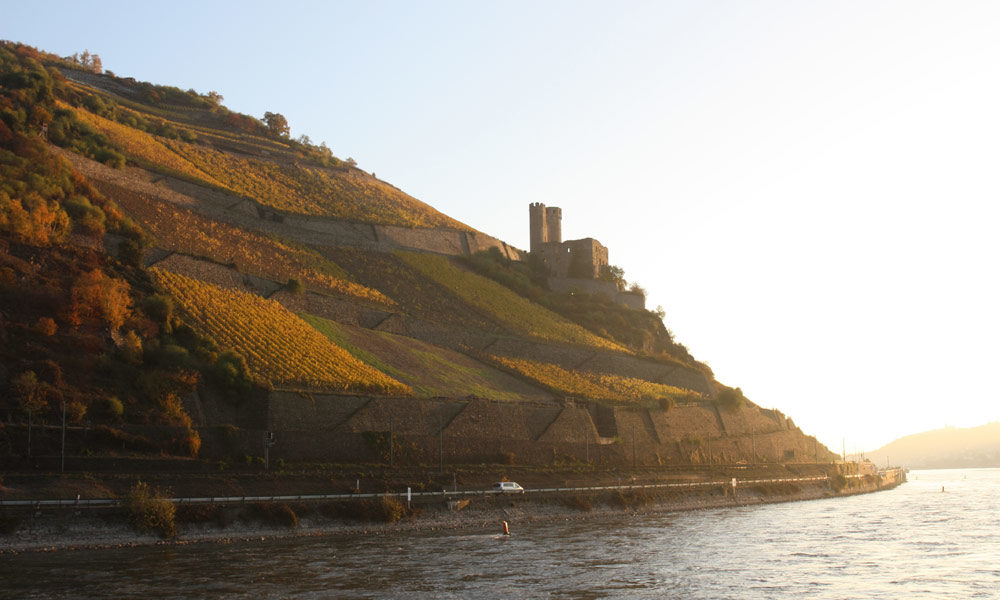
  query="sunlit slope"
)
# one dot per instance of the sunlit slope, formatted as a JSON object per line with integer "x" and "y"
{"x": 145, "y": 149}
{"x": 597, "y": 386}
{"x": 177, "y": 228}
{"x": 285, "y": 175}
{"x": 516, "y": 312}
{"x": 430, "y": 370}
{"x": 417, "y": 295}
{"x": 277, "y": 345}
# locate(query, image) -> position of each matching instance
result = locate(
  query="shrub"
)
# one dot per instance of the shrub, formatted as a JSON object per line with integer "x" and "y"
{"x": 275, "y": 514}
{"x": 148, "y": 510}
{"x": 9, "y": 524}
{"x": 731, "y": 398}
{"x": 582, "y": 503}
{"x": 46, "y": 326}
{"x": 114, "y": 407}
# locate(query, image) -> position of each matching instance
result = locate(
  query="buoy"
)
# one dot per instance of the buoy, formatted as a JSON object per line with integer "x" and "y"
{"x": 506, "y": 529}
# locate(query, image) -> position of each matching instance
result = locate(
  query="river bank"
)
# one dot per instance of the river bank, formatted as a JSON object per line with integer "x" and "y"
{"x": 68, "y": 529}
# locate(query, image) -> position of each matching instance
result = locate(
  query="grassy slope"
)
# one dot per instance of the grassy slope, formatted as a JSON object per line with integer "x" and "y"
{"x": 431, "y": 371}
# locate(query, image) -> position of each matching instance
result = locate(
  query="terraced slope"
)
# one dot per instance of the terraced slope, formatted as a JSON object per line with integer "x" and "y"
{"x": 601, "y": 386}
{"x": 281, "y": 174}
{"x": 183, "y": 230}
{"x": 415, "y": 293}
{"x": 430, "y": 370}
{"x": 278, "y": 346}
{"x": 516, "y": 312}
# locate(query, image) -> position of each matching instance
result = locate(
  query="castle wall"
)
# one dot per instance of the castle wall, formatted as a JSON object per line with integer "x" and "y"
{"x": 598, "y": 287}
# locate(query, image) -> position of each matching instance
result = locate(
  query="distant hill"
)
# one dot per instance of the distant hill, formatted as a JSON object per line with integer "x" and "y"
{"x": 946, "y": 448}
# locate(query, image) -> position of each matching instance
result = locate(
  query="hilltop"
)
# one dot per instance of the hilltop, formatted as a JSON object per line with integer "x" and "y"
{"x": 182, "y": 280}
{"x": 946, "y": 448}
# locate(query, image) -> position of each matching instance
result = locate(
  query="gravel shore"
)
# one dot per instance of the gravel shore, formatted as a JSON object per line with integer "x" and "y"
{"x": 67, "y": 529}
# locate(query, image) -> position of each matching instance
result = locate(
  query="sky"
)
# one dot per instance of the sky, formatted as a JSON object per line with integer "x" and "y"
{"x": 808, "y": 189}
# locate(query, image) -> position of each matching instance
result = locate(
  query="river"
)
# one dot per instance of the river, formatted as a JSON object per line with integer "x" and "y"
{"x": 915, "y": 541}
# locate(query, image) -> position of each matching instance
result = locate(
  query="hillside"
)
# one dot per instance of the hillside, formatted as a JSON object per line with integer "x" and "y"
{"x": 947, "y": 448}
{"x": 183, "y": 278}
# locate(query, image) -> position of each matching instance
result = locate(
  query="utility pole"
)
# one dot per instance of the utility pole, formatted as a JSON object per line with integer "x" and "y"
{"x": 633, "y": 446}
{"x": 62, "y": 455}
{"x": 268, "y": 442}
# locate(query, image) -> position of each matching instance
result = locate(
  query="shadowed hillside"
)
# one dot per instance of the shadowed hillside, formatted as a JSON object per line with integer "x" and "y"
{"x": 183, "y": 278}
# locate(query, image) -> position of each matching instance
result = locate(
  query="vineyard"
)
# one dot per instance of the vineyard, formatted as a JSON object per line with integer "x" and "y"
{"x": 515, "y": 311}
{"x": 594, "y": 385}
{"x": 144, "y": 148}
{"x": 430, "y": 370}
{"x": 182, "y": 230}
{"x": 344, "y": 194}
{"x": 416, "y": 294}
{"x": 277, "y": 345}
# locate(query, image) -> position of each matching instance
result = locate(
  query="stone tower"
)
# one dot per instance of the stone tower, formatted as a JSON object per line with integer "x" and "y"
{"x": 539, "y": 232}
{"x": 545, "y": 225}
{"x": 553, "y": 224}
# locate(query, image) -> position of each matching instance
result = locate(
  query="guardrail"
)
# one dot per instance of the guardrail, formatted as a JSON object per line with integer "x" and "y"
{"x": 444, "y": 494}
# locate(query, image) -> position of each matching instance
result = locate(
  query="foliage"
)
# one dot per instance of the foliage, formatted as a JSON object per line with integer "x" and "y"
{"x": 95, "y": 294}
{"x": 38, "y": 190}
{"x": 599, "y": 386}
{"x": 730, "y": 398}
{"x": 614, "y": 274}
{"x": 515, "y": 311}
{"x": 277, "y": 124}
{"x": 149, "y": 510}
{"x": 278, "y": 345}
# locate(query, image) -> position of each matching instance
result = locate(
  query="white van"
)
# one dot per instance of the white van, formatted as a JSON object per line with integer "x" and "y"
{"x": 507, "y": 487}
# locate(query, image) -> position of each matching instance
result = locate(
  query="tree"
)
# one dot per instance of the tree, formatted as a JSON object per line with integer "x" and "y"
{"x": 731, "y": 398}
{"x": 614, "y": 274}
{"x": 277, "y": 124}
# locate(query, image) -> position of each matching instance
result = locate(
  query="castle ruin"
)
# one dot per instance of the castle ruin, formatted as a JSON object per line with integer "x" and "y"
{"x": 573, "y": 264}
{"x": 578, "y": 259}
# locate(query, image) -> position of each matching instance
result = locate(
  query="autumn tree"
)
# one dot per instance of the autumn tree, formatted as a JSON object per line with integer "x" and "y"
{"x": 277, "y": 124}
{"x": 98, "y": 295}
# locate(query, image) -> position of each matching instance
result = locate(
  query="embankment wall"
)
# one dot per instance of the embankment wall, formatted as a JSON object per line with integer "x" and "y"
{"x": 351, "y": 428}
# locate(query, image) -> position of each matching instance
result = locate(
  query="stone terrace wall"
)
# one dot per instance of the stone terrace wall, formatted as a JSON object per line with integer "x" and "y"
{"x": 751, "y": 419}
{"x": 332, "y": 308}
{"x": 333, "y": 427}
{"x": 384, "y": 238}
{"x": 216, "y": 274}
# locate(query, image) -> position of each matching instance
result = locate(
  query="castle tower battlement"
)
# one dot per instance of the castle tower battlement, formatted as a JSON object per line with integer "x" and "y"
{"x": 539, "y": 230}
{"x": 553, "y": 224}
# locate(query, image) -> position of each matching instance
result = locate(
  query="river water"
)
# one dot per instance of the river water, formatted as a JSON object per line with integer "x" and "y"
{"x": 915, "y": 541}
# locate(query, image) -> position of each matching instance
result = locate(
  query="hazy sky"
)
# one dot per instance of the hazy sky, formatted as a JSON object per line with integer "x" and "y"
{"x": 809, "y": 189}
